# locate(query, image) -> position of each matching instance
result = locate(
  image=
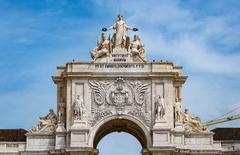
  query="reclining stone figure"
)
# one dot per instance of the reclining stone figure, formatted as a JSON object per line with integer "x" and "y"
{"x": 46, "y": 123}
{"x": 192, "y": 124}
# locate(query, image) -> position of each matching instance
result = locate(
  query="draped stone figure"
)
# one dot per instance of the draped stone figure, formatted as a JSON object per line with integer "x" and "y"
{"x": 137, "y": 48}
{"x": 102, "y": 49}
{"x": 121, "y": 28}
{"x": 192, "y": 124}
{"x": 46, "y": 123}
{"x": 160, "y": 107}
{"x": 50, "y": 118}
{"x": 119, "y": 38}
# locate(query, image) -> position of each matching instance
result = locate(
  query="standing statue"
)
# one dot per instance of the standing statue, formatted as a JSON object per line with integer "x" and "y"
{"x": 160, "y": 107}
{"x": 102, "y": 49}
{"x": 137, "y": 48}
{"x": 78, "y": 108}
{"x": 120, "y": 36}
{"x": 178, "y": 110}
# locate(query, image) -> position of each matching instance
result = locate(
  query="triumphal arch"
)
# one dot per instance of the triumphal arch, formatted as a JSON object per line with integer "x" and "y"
{"x": 120, "y": 91}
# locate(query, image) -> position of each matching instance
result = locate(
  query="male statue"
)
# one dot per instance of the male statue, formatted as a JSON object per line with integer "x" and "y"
{"x": 160, "y": 107}
{"x": 78, "y": 108}
{"x": 177, "y": 110}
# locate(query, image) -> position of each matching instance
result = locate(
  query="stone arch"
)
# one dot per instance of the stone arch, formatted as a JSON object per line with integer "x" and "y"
{"x": 122, "y": 123}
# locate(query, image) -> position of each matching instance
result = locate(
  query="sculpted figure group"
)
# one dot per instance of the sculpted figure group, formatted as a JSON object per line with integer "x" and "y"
{"x": 191, "y": 124}
{"x": 119, "y": 40}
{"x": 46, "y": 123}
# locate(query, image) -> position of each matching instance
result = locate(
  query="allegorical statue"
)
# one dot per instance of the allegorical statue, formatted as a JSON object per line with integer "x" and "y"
{"x": 46, "y": 123}
{"x": 78, "y": 108}
{"x": 120, "y": 36}
{"x": 102, "y": 49}
{"x": 50, "y": 118}
{"x": 178, "y": 110}
{"x": 192, "y": 124}
{"x": 160, "y": 107}
{"x": 137, "y": 48}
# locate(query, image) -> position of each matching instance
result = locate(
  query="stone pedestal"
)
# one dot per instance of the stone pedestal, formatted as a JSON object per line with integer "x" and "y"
{"x": 160, "y": 124}
{"x": 60, "y": 141}
{"x": 178, "y": 126}
{"x": 79, "y": 124}
{"x": 178, "y": 138}
{"x": 161, "y": 133}
{"x": 161, "y": 137}
{"x": 40, "y": 141}
{"x": 79, "y": 134}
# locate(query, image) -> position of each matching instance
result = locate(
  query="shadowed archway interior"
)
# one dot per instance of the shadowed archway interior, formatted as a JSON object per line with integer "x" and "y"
{"x": 120, "y": 125}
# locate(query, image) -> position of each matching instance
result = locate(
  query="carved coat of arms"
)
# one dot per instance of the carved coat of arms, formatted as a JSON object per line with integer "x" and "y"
{"x": 119, "y": 96}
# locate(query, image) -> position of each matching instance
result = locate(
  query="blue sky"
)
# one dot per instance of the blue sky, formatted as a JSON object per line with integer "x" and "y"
{"x": 38, "y": 35}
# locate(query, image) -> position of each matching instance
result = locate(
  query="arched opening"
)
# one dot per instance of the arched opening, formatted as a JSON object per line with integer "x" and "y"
{"x": 121, "y": 125}
{"x": 119, "y": 143}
